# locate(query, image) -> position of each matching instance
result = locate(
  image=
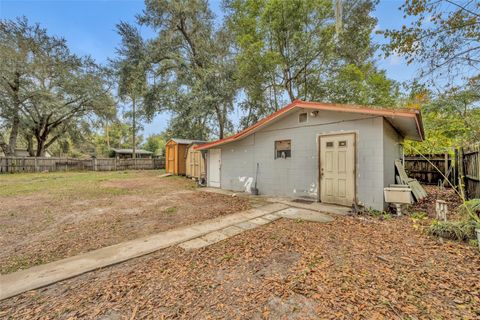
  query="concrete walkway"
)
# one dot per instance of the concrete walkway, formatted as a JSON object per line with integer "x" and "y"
{"x": 315, "y": 206}
{"x": 43, "y": 275}
{"x": 189, "y": 238}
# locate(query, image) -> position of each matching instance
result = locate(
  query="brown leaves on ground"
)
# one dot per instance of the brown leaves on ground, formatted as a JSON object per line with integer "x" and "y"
{"x": 352, "y": 268}
{"x": 44, "y": 226}
{"x": 435, "y": 193}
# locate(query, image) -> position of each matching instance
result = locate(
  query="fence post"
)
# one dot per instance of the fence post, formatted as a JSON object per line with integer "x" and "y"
{"x": 94, "y": 164}
{"x": 461, "y": 186}
{"x": 115, "y": 164}
{"x": 446, "y": 165}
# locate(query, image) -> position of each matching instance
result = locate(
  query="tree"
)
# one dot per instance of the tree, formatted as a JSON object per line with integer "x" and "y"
{"x": 290, "y": 50}
{"x": 72, "y": 88}
{"x": 118, "y": 135}
{"x": 156, "y": 144}
{"x": 56, "y": 88}
{"x": 17, "y": 41}
{"x": 192, "y": 67}
{"x": 443, "y": 38}
{"x": 131, "y": 69}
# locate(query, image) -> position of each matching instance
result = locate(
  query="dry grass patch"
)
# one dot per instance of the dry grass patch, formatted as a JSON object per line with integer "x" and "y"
{"x": 46, "y": 217}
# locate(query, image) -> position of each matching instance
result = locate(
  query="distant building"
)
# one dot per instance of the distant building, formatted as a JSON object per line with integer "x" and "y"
{"x": 24, "y": 153}
{"x": 127, "y": 153}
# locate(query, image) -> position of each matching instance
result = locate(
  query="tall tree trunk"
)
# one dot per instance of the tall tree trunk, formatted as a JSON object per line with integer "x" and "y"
{"x": 12, "y": 141}
{"x": 221, "y": 122}
{"x": 41, "y": 137}
{"x": 30, "y": 149}
{"x": 106, "y": 134}
{"x": 133, "y": 149}
{"x": 40, "y": 147}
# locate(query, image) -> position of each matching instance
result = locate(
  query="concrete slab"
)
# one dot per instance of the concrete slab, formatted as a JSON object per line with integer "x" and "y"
{"x": 271, "y": 217}
{"x": 231, "y": 231}
{"x": 43, "y": 275}
{"x": 196, "y": 243}
{"x": 260, "y": 221}
{"x": 247, "y": 225}
{"x": 214, "y": 237}
{"x": 303, "y": 214}
{"x": 315, "y": 206}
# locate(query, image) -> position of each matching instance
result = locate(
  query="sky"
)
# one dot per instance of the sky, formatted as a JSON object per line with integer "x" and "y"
{"x": 89, "y": 28}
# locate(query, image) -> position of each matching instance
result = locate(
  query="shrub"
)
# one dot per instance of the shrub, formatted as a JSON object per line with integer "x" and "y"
{"x": 470, "y": 207}
{"x": 460, "y": 230}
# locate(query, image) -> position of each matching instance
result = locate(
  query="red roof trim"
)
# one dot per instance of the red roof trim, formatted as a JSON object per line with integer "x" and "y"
{"x": 410, "y": 113}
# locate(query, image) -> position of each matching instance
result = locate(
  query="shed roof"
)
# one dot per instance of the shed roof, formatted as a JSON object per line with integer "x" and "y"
{"x": 408, "y": 122}
{"x": 129, "y": 151}
{"x": 186, "y": 141}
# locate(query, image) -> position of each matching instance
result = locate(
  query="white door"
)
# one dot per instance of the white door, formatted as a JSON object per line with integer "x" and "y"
{"x": 337, "y": 169}
{"x": 214, "y": 165}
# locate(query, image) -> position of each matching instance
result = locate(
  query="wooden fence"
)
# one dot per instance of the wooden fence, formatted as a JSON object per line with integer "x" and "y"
{"x": 469, "y": 169}
{"x": 37, "y": 164}
{"x": 423, "y": 168}
{"x": 461, "y": 169}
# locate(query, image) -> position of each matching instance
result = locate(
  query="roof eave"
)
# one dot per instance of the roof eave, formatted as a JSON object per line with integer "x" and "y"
{"x": 314, "y": 105}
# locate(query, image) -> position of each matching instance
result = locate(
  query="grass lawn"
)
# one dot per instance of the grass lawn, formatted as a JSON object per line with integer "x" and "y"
{"x": 49, "y": 216}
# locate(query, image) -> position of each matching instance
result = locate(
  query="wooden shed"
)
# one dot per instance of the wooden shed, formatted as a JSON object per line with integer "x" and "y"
{"x": 195, "y": 162}
{"x": 175, "y": 155}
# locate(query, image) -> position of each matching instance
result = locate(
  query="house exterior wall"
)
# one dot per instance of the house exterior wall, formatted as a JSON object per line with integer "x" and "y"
{"x": 298, "y": 176}
{"x": 392, "y": 150}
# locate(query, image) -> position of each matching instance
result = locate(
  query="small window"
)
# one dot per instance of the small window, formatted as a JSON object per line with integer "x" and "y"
{"x": 342, "y": 143}
{"x": 283, "y": 149}
{"x": 302, "y": 117}
{"x": 329, "y": 144}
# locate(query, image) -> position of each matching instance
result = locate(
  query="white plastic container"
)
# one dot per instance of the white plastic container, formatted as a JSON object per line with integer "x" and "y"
{"x": 398, "y": 194}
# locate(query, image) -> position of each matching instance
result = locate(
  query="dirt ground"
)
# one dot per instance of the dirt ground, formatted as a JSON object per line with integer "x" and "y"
{"x": 46, "y": 217}
{"x": 435, "y": 193}
{"x": 352, "y": 268}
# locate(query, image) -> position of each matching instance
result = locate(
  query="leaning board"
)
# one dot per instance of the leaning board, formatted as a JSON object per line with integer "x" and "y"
{"x": 418, "y": 192}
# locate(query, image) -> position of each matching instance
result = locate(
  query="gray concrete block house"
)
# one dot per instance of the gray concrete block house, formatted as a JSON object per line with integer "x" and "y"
{"x": 332, "y": 153}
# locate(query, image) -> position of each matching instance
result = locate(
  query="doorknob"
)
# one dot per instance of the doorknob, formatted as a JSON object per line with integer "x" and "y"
{"x": 321, "y": 173}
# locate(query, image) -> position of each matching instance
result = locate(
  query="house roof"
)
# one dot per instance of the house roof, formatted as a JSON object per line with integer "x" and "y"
{"x": 129, "y": 151}
{"x": 186, "y": 141}
{"x": 408, "y": 122}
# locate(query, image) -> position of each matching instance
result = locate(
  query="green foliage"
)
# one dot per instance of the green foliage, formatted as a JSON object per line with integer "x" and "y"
{"x": 418, "y": 215}
{"x": 363, "y": 85}
{"x": 170, "y": 210}
{"x": 459, "y": 230}
{"x": 289, "y": 50}
{"x": 54, "y": 91}
{"x": 451, "y": 120}
{"x": 114, "y": 135}
{"x": 382, "y": 215}
{"x": 192, "y": 66}
{"x": 442, "y": 37}
{"x": 463, "y": 230}
{"x": 156, "y": 144}
{"x": 470, "y": 210}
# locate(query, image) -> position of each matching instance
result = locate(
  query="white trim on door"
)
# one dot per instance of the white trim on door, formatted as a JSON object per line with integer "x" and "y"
{"x": 351, "y": 136}
{"x": 214, "y": 167}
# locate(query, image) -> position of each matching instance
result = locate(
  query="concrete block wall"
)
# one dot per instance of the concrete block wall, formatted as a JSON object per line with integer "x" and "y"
{"x": 298, "y": 176}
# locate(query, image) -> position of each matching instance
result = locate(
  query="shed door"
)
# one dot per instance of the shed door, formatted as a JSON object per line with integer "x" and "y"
{"x": 337, "y": 169}
{"x": 170, "y": 158}
{"x": 214, "y": 165}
